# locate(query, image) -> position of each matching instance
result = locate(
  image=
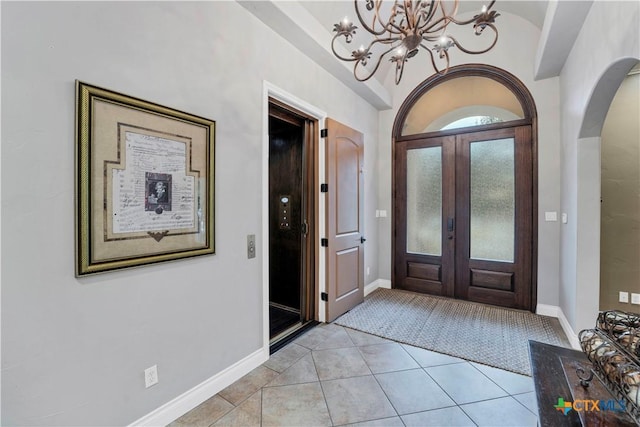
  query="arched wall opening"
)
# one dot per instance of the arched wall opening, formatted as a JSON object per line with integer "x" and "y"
{"x": 589, "y": 190}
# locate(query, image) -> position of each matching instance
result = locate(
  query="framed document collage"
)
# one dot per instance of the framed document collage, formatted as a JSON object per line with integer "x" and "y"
{"x": 144, "y": 182}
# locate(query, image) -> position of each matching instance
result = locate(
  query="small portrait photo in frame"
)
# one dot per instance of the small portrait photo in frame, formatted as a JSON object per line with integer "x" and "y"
{"x": 144, "y": 182}
{"x": 158, "y": 192}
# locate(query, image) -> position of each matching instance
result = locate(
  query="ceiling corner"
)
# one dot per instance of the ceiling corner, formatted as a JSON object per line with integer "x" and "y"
{"x": 562, "y": 24}
{"x": 294, "y": 23}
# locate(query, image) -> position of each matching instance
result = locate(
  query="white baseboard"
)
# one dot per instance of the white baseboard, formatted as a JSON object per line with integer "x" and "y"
{"x": 555, "y": 311}
{"x": 203, "y": 391}
{"x": 573, "y": 337}
{"x": 380, "y": 283}
{"x": 547, "y": 310}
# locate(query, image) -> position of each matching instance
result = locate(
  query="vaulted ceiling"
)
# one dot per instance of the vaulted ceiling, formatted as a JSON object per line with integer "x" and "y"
{"x": 308, "y": 26}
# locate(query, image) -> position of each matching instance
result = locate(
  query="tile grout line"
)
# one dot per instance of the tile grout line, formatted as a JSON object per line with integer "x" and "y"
{"x": 262, "y": 406}
{"x": 403, "y": 370}
{"x": 445, "y": 392}
{"x": 506, "y": 391}
{"x": 385, "y": 393}
{"x": 226, "y": 413}
{"x": 495, "y": 398}
{"x": 324, "y": 396}
{"x": 423, "y": 368}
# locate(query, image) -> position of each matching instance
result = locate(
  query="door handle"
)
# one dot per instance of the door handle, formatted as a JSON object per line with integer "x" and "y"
{"x": 305, "y": 228}
{"x": 362, "y": 240}
{"x": 450, "y": 227}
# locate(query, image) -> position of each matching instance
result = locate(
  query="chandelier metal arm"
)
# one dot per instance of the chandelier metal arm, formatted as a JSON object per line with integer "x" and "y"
{"x": 438, "y": 25}
{"x": 444, "y": 55}
{"x": 376, "y": 16}
{"x": 370, "y": 29}
{"x": 487, "y": 16}
{"x": 427, "y": 16}
{"x": 467, "y": 22}
{"x": 474, "y": 52}
{"x": 355, "y": 68}
{"x": 362, "y": 54}
{"x": 399, "y": 69}
{"x": 342, "y": 58}
{"x": 476, "y": 19}
{"x": 390, "y": 24}
{"x": 410, "y": 13}
{"x": 454, "y": 12}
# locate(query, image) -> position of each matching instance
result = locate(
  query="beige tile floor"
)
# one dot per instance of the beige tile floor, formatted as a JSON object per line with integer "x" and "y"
{"x": 333, "y": 376}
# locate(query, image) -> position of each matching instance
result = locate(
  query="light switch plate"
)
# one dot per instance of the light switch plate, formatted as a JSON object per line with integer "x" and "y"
{"x": 635, "y": 298}
{"x": 551, "y": 216}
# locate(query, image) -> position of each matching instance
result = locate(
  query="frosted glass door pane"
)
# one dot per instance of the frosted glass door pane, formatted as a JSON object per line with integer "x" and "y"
{"x": 492, "y": 200}
{"x": 424, "y": 201}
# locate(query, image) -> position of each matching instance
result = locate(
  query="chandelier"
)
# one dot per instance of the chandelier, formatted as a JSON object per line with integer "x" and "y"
{"x": 409, "y": 25}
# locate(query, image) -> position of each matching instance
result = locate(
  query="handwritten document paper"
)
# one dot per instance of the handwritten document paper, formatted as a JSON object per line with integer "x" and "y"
{"x": 146, "y": 156}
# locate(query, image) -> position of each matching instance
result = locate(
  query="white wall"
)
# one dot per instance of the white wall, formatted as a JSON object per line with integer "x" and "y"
{"x": 606, "y": 48}
{"x": 517, "y": 56}
{"x": 74, "y": 350}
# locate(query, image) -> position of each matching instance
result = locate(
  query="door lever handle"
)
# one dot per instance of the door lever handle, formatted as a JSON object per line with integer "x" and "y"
{"x": 362, "y": 240}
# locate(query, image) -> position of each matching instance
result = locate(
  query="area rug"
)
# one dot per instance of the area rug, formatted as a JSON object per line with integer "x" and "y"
{"x": 476, "y": 332}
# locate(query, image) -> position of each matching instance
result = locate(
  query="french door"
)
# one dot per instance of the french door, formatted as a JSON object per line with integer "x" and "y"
{"x": 463, "y": 215}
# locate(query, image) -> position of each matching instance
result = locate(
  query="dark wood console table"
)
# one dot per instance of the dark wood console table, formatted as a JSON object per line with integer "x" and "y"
{"x": 548, "y": 364}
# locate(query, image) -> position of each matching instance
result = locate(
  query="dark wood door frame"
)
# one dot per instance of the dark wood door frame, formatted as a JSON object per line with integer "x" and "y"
{"x": 310, "y": 152}
{"x": 530, "y": 119}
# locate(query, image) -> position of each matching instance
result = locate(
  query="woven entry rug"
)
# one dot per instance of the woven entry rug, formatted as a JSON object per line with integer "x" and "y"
{"x": 480, "y": 333}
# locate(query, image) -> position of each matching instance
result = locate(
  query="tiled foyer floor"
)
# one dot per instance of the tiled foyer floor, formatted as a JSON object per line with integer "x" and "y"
{"x": 337, "y": 376}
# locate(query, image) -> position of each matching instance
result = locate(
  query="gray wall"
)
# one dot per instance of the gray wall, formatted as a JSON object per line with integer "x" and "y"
{"x": 74, "y": 350}
{"x": 620, "y": 212}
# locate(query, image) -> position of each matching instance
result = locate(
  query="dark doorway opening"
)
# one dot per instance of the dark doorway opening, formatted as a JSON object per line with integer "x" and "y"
{"x": 291, "y": 220}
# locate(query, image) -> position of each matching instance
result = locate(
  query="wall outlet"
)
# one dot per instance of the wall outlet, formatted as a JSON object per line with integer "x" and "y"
{"x": 635, "y": 298}
{"x": 623, "y": 296}
{"x": 151, "y": 376}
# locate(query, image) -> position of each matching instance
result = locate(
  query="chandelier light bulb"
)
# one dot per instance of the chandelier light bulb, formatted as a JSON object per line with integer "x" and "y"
{"x": 484, "y": 8}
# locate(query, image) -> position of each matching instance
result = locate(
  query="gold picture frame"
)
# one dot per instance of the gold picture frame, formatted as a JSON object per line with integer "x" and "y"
{"x": 144, "y": 182}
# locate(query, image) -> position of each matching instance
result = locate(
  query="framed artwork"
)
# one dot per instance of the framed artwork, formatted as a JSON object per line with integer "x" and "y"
{"x": 144, "y": 182}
